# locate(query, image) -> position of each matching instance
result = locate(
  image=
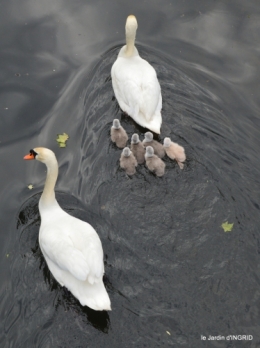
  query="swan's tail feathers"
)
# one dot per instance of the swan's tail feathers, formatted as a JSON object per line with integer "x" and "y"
{"x": 155, "y": 124}
{"x": 154, "y": 129}
{"x": 94, "y": 295}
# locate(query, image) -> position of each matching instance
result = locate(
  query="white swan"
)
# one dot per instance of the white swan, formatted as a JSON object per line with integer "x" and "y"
{"x": 135, "y": 83}
{"x": 71, "y": 247}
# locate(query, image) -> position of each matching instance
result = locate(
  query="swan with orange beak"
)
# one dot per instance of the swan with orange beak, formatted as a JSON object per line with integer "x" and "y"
{"x": 71, "y": 247}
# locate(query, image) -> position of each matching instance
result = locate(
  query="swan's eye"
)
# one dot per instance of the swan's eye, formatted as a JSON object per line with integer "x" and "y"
{"x": 33, "y": 153}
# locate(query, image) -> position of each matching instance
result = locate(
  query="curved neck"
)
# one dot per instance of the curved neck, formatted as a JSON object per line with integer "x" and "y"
{"x": 48, "y": 195}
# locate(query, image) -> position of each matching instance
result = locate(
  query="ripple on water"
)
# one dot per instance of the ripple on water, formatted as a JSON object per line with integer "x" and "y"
{"x": 167, "y": 260}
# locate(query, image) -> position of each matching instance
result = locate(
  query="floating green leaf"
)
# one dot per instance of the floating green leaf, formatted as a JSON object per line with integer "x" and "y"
{"x": 62, "y": 138}
{"x": 30, "y": 187}
{"x": 7, "y": 255}
{"x": 227, "y": 227}
{"x": 168, "y": 333}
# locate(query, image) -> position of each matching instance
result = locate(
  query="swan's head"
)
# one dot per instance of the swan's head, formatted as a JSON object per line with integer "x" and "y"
{"x": 116, "y": 124}
{"x": 126, "y": 152}
{"x": 149, "y": 151}
{"x": 167, "y": 142}
{"x": 131, "y": 25}
{"x": 135, "y": 139}
{"x": 148, "y": 137}
{"x": 41, "y": 154}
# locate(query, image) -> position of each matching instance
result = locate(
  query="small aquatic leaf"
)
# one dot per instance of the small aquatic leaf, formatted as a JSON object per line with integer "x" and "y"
{"x": 7, "y": 255}
{"x": 30, "y": 187}
{"x": 227, "y": 227}
{"x": 62, "y": 138}
{"x": 168, "y": 333}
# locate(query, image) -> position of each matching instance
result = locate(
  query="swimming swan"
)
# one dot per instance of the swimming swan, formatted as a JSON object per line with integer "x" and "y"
{"x": 135, "y": 83}
{"x": 71, "y": 247}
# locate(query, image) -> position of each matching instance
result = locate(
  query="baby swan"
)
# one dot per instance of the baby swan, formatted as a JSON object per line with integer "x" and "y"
{"x": 158, "y": 148}
{"x": 71, "y": 247}
{"x": 174, "y": 151}
{"x": 137, "y": 148}
{"x": 135, "y": 83}
{"x": 128, "y": 161}
{"x": 118, "y": 134}
{"x": 153, "y": 162}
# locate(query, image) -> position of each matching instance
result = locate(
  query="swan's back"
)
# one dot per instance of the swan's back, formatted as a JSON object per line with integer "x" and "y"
{"x": 136, "y": 86}
{"x": 74, "y": 255}
{"x": 137, "y": 89}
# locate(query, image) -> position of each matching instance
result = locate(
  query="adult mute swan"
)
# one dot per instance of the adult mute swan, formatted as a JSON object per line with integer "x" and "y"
{"x": 71, "y": 247}
{"x": 135, "y": 83}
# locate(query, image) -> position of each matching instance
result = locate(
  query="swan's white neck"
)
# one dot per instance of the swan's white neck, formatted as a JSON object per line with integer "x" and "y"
{"x": 130, "y": 32}
{"x": 48, "y": 195}
{"x": 130, "y": 45}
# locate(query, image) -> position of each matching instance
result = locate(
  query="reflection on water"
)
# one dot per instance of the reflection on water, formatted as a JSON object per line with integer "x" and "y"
{"x": 171, "y": 272}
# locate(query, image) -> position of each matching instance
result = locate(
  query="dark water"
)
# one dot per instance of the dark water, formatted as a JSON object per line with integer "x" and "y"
{"x": 172, "y": 273}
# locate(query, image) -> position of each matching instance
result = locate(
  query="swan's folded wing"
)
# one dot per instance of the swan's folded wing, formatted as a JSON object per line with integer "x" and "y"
{"x": 118, "y": 82}
{"x": 62, "y": 252}
{"x": 137, "y": 88}
{"x": 151, "y": 92}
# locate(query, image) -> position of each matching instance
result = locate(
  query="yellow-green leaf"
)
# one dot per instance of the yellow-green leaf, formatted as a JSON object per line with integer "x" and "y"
{"x": 227, "y": 227}
{"x": 30, "y": 187}
{"x": 7, "y": 255}
{"x": 168, "y": 333}
{"x": 62, "y": 138}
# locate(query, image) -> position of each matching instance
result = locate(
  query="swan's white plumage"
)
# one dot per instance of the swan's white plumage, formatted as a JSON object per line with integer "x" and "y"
{"x": 71, "y": 247}
{"x": 135, "y": 83}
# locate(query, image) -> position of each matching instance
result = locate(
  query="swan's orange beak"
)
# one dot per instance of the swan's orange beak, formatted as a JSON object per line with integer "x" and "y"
{"x": 30, "y": 156}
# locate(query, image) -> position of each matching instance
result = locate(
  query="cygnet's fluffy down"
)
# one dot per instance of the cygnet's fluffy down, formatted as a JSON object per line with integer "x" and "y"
{"x": 153, "y": 162}
{"x": 128, "y": 161}
{"x": 174, "y": 151}
{"x": 137, "y": 148}
{"x": 118, "y": 134}
{"x": 149, "y": 141}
